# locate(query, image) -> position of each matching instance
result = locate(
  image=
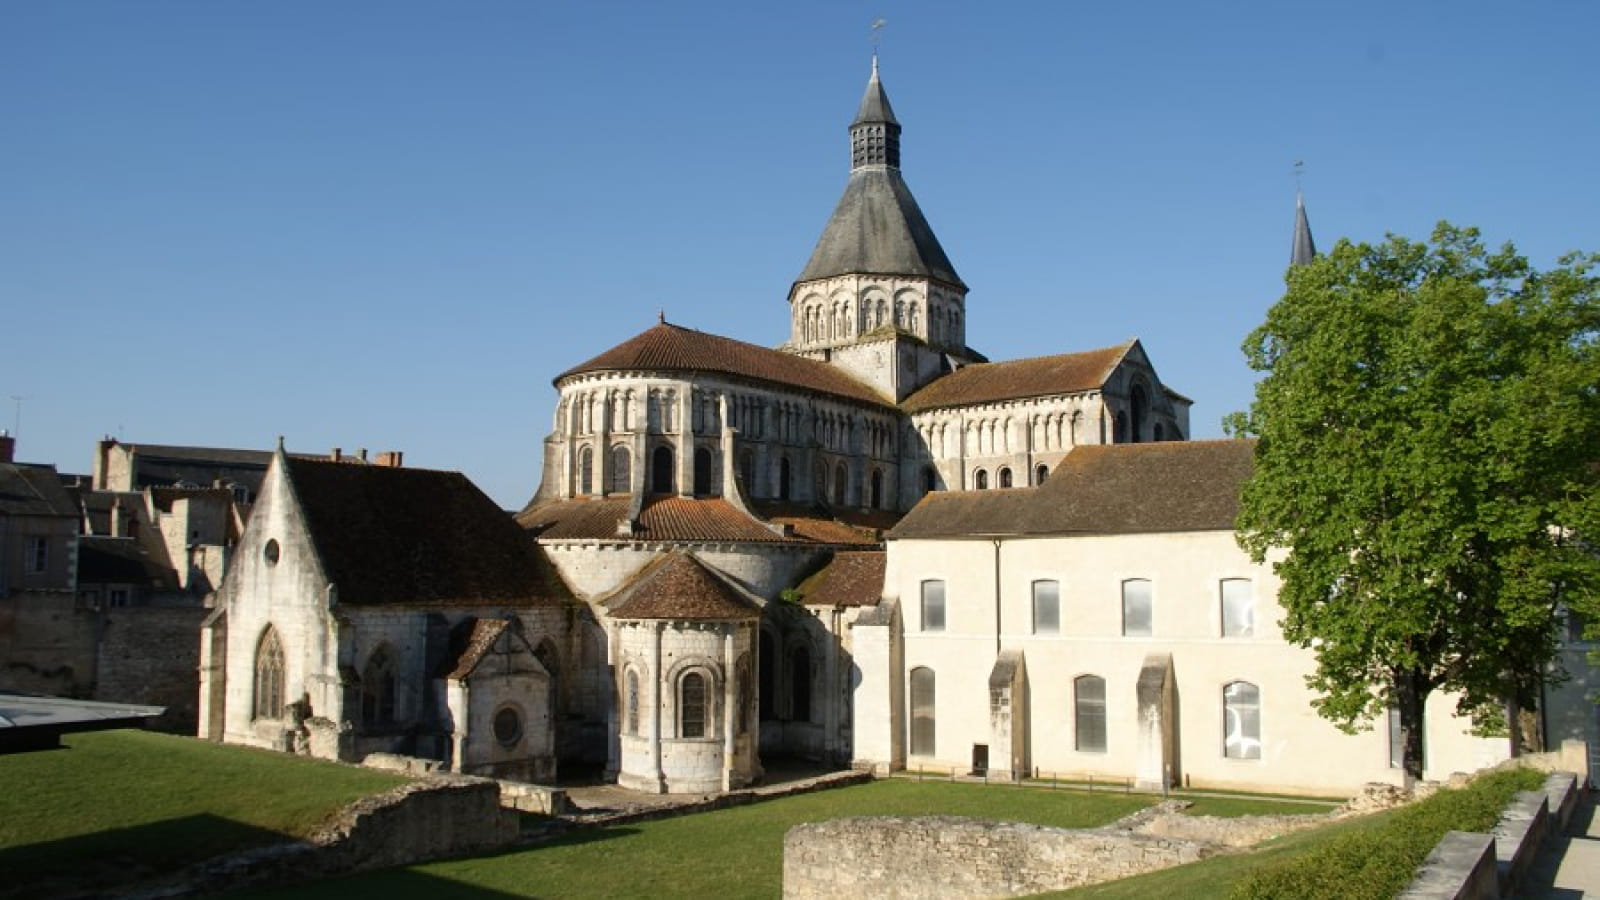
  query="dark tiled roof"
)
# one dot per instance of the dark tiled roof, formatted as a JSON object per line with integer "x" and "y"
{"x": 664, "y": 518}
{"x": 33, "y": 490}
{"x": 225, "y": 456}
{"x": 678, "y": 586}
{"x": 1041, "y": 376}
{"x": 112, "y": 560}
{"x": 479, "y": 638}
{"x": 878, "y": 229}
{"x": 667, "y": 347}
{"x": 1102, "y": 489}
{"x": 394, "y": 535}
{"x": 851, "y": 578}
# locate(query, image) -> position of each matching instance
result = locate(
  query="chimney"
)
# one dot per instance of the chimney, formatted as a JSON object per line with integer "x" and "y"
{"x": 362, "y": 454}
{"x": 337, "y": 455}
{"x": 8, "y": 447}
{"x": 390, "y": 459}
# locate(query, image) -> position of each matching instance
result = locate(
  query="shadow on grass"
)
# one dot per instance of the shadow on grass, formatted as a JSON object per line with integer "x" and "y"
{"x": 123, "y": 856}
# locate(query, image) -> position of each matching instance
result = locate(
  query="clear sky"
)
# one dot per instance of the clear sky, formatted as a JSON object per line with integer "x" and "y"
{"x": 390, "y": 224}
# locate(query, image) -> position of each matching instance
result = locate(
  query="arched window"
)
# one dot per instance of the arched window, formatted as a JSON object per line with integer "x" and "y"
{"x": 930, "y": 480}
{"x": 800, "y": 685}
{"x": 621, "y": 470}
{"x": 819, "y": 482}
{"x": 1046, "y": 607}
{"x": 980, "y": 480}
{"x": 377, "y": 688}
{"x": 1005, "y": 477}
{"x": 1089, "y": 713}
{"x": 766, "y": 664}
{"x": 839, "y": 480}
{"x": 692, "y": 706}
{"x": 586, "y": 471}
{"x": 269, "y": 676}
{"x": 933, "y": 606}
{"x": 632, "y": 687}
{"x": 661, "y": 475}
{"x": 702, "y": 471}
{"x": 1238, "y": 608}
{"x": 1138, "y": 608}
{"x": 1241, "y": 720}
{"x": 1141, "y": 404}
{"x": 922, "y": 711}
{"x": 1159, "y": 433}
{"x": 747, "y": 471}
{"x": 877, "y": 489}
{"x": 1041, "y": 473}
{"x": 783, "y": 478}
{"x": 1119, "y": 428}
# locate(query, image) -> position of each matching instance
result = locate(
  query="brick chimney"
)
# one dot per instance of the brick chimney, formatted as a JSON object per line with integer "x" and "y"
{"x": 337, "y": 455}
{"x": 8, "y": 447}
{"x": 389, "y": 459}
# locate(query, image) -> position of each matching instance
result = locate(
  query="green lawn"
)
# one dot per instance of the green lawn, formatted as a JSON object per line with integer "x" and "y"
{"x": 735, "y": 852}
{"x": 118, "y": 806}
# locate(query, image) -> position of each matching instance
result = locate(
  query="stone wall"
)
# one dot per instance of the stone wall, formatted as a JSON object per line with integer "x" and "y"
{"x": 904, "y": 858}
{"x": 151, "y": 655}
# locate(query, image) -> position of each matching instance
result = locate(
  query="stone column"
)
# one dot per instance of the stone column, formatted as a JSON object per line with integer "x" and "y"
{"x": 730, "y": 704}
{"x": 613, "y": 715}
{"x": 602, "y": 448}
{"x": 657, "y": 677}
{"x": 686, "y": 441}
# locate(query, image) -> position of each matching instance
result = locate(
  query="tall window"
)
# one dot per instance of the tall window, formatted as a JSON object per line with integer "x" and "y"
{"x": 747, "y": 472}
{"x": 766, "y": 665}
{"x": 702, "y": 470}
{"x": 933, "y": 606}
{"x": 800, "y": 685}
{"x": 38, "y": 554}
{"x": 377, "y": 688}
{"x": 1089, "y": 714}
{"x": 692, "y": 706}
{"x": 840, "y": 481}
{"x": 269, "y": 676}
{"x": 783, "y": 478}
{"x": 1241, "y": 714}
{"x": 922, "y": 705}
{"x": 1005, "y": 477}
{"x": 621, "y": 470}
{"x": 1238, "y": 608}
{"x": 930, "y": 480}
{"x": 1041, "y": 473}
{"x": 632, "y": 687}
{"x": 877, "y": 489}
{"x": 586, "y": 471}
{"x": 1137, "y": 608}
{"x": 980, "y": 480}
{"x": 661, "y": 475}
{"x": 1046, "y": 607}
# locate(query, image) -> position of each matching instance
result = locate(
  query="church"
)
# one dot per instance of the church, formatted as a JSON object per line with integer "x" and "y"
{"x": 869, "y": 546}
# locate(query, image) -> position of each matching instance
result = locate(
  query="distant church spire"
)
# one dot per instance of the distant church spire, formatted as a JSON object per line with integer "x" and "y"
{"x": 875, "y": 133}
{"x": 1304, "y": 249}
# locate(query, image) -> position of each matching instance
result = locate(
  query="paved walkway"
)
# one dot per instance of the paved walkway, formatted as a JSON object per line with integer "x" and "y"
{"x": 1568, "y": 866}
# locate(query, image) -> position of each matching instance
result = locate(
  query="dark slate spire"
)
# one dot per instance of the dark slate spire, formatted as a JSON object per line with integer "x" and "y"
{"x": 877, "y": 228}
{"x": 1304, "y": 249}
{"x": 875, "y": 134}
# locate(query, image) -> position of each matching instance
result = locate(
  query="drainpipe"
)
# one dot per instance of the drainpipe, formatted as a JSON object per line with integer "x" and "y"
{"x": 996, "y": 596}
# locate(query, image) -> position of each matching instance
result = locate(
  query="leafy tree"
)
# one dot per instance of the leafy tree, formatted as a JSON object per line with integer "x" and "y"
{"x": 1429, "y": 430}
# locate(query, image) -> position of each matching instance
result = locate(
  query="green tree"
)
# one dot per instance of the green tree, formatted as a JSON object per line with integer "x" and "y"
{"x": 1428, "y": 433}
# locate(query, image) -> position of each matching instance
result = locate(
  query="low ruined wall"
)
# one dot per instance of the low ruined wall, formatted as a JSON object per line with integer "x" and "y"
{"x": 904, "y": 858}
{"x": 151, "y": 655}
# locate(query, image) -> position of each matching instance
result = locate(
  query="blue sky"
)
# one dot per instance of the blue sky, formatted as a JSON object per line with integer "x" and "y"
{"x": 389, "y": 225}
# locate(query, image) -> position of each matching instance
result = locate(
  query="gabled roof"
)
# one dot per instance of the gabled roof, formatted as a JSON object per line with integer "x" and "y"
{"x": 663, "y": 518}
{"x": 473, "y": 641}
{"x": 878, "y": 229}
{"x": 33, "y": 490}
{"x": 1041, "y": 376}
{"x": 223, "y": 455}
{"x": 673, "y": 348}
{"x": 679, "y": 586}
{"x": 395, "y": 535}
{"x": 851, "y": 578}
{"x": 1168, "y": 487}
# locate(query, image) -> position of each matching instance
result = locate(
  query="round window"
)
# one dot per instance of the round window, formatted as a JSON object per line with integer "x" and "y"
{"x": 270, "y": 552}
{"x": 507, "y": 726}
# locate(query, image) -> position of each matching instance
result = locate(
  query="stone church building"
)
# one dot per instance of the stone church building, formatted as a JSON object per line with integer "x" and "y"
{"x": 702, "y": 578}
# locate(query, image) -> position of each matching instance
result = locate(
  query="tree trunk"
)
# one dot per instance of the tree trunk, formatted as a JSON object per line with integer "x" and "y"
{"x": 1411, "y": 697}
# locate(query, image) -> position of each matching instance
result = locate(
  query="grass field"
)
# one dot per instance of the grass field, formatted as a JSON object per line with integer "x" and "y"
{"x": 736, "y": 852}
{"x": 118, "y": 806}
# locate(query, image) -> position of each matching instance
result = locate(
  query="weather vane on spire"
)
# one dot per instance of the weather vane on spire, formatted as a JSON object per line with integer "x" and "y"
{"x": 1299, "y": 169}
{"x": 877, "y": 35}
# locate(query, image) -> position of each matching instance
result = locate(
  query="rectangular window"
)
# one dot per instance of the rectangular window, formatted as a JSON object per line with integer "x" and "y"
{"x": 1241, "y": 714}
{"x": 1238, "y": 608}
{"x": 1046, "y": 607}
{"x": 1137, "y": 613}
{"x": 38, "y": 554}
{"x": 1089, "y": 731}
{"x": 933, "y": 606}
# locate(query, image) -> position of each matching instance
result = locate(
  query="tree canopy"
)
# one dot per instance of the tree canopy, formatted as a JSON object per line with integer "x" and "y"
{"x": 1428, "y": 451}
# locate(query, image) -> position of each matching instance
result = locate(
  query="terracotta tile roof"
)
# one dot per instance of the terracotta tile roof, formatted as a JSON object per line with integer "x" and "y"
{"x": 827, "y": 531}
{"x": 1102, "y": 489}
{"x": 395, "y": 535}
{"x": 1041, "y": 376}
{"x": 665, "y": 518}
{"x": 678, "y": 586}
{"x": 668, "y": 347}
{"x": 851, "y": 578}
